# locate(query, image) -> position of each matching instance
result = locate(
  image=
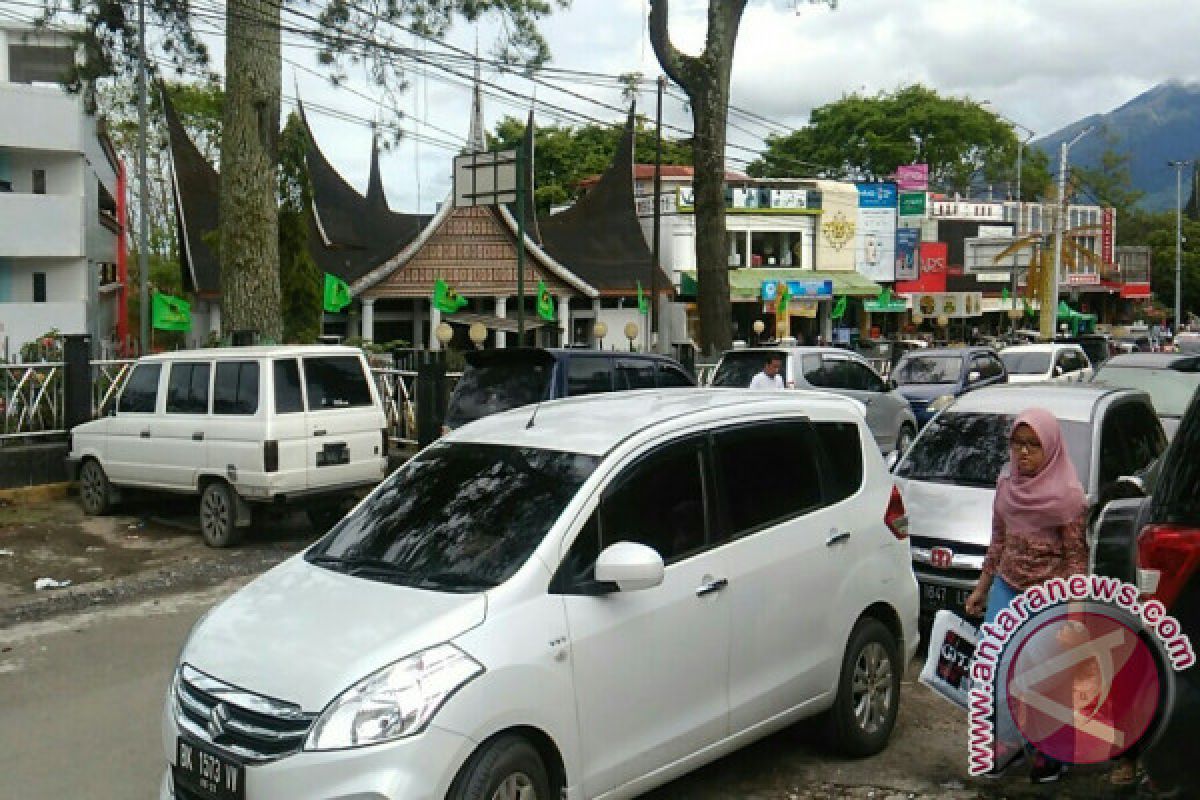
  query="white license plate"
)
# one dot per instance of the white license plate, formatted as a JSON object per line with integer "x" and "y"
{"x": 206, "y": 773}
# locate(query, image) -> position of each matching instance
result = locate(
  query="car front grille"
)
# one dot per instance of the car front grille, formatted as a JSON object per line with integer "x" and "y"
{"x": 966, "y": 562}
{"x": 247, "y": 726}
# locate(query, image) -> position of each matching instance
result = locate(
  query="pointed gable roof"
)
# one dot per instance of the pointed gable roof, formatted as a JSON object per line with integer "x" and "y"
{"x": 194, "y": 193}
{"x": 600, "y": 238}
{"x": 376, "y": 196}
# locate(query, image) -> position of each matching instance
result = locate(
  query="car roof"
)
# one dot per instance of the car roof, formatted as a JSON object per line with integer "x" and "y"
{"x": 796, "y": 350}
{"x": 1041, "y": 347}
{"x": 1189, "y": 361}
{"x": 1074, "y": 401}
{"x": 257, "y": 351}
{"x": 595, "y": 424}
{"x": 949, "y": 351}
{"x": 558, "y": 353}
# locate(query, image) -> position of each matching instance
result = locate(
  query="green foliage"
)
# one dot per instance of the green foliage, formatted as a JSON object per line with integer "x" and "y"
{"x": 564, "y": 155}
{"x": 870, "y": 136}
{"x": 299, "y": 277}
{"x": 164, "y": 277}
{"x": 1111, "y": 182}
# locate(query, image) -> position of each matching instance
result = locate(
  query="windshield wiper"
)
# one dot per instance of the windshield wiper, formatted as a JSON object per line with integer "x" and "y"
{"x": 463, "y": 580}
{"x": 354, "y": 566}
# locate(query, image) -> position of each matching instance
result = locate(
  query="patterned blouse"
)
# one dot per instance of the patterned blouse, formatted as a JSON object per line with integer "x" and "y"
{"x": 1027, "y": 558}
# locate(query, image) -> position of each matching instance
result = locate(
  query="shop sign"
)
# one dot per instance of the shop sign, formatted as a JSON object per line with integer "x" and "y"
{"x": 912, "y": 177}
{"x": 912, "y": 204}
{"x": 954, "y": 305}
{"x": 770, "y": 289}
{"x": 1083, "y": 279}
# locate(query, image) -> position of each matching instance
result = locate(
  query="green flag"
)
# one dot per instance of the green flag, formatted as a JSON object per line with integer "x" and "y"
{"x": 643, "y": 301}
{"x": 782, "y": 299}
{"x": 446, "y": 299}
{"x": 885, "y": 297}
{"x": 337, "y": 294}
{"x": 171, "y": 313}
{"x": 545, "y": 303}
{"x": 839, "y": 308}
{"x": 1004, "y": 295}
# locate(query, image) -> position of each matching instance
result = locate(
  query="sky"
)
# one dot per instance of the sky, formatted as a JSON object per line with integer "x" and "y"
{"x": 1041, "y": 63}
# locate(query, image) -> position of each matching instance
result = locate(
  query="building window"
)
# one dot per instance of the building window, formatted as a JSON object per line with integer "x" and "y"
{"x": 39, "y": 181}
{"x": 39, "y": 287}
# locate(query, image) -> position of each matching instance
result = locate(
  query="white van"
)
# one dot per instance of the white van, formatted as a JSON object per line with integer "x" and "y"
{"x": 238, "y": 426}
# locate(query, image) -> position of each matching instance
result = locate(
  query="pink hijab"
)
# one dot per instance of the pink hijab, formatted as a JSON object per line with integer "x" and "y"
{"x": 1053, "y": 496}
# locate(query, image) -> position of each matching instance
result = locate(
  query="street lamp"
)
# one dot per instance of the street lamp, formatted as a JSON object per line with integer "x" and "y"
{"x": 1178, "y": 165}
{"x": 477, "y": 334}
{"x": 1050, "y": 315}
{"x": 759, "y": 326}
{"x": 600, "y": 330}
{"x": 631, "y": 332}
{"x": 444, "y": 333}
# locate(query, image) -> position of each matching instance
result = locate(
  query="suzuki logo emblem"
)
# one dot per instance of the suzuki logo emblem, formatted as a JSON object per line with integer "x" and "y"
{"x": 941, "y": 557}
{"x": 216, "y": 721}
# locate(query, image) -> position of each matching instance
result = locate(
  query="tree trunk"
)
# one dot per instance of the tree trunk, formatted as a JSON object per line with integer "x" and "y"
{"x": 249, "y": 216}
{"x": 705, "y": 79}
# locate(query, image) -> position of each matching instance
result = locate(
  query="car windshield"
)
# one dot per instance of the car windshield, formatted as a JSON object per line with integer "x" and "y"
{"x": 928, "y": 369}
{"x": 1096, "y": 349}
{"x": 1026, "y": 363}
{"x": 738, "y": 369}
{"x": 498, "y": 385}
{"x": 970, "y": 449}
{"x": 459, "y": 517}
{"x": 1170, "y": 390}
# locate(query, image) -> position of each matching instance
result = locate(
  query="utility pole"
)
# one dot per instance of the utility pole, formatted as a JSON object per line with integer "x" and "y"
{"x": 1049, "y": 326}
{"x": 1178, "y": 165}
{"x": 657, "y": 233}
{"x": 143, "y": 190}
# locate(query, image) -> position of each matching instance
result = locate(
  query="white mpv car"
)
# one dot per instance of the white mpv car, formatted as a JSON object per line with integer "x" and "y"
{"x": 241, "y": 427}
{"x": 582, "y": 599}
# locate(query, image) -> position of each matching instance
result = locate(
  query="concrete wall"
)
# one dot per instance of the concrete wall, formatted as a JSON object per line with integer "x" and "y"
{"x": 32, "y": 465}
{"x": 41, "y": 225}
{"x": 23, "y": 322}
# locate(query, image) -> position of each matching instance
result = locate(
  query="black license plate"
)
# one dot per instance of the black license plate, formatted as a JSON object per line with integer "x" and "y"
{"x": 935, "y": 598}
{"x": 206, "y": 773}
{"x": 333, "y": 454}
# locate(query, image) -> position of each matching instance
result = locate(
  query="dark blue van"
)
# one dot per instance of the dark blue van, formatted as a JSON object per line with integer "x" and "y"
{"x": 931, "y": 379}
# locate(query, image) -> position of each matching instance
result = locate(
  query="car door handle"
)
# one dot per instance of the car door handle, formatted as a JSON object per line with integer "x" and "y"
{"x": 198, "y": 436}
{"x": 145, "y": 434}
{"x": 712, "y": 586}
{"x": 836, "y": 536}
{"x": 319, "y": 432}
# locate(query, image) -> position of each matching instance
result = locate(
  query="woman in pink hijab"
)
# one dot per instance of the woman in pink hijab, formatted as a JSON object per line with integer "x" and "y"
{"x": 1038, "y": 524}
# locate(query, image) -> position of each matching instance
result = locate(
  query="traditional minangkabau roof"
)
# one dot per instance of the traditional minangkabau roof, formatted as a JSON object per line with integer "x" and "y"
{"x": 599, "y": 238}
{"x": 194, "y": 186}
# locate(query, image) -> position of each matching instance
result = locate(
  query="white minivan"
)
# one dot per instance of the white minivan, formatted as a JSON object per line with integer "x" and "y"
{"x": 538, "y": 609}
{"x": 241, "y": 427}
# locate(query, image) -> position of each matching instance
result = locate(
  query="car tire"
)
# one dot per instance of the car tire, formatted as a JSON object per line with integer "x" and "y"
{"x": 506, "y": 768}
{"x": 868, "y": 695}
{"x": 905, "y": 438}
{"x": 95, "y": 492}
{"x": 218, "y": 515}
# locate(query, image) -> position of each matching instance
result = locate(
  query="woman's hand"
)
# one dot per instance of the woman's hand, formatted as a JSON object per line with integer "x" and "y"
{"x": 977, "y": 601}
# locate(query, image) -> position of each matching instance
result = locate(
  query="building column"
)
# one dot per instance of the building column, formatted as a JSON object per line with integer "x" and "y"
{"x": 214, "y": 318}
{"x": 595, "y": 318}
{"x": 435, "y": 319}
{"x": 501, "y": 313}
{"x": 785, "y": 258}
{"x": 418, "y": 316}
{"x": 749, "y": 250}
{"x": 368, "y": 319}
{"x": 564, "y": 320}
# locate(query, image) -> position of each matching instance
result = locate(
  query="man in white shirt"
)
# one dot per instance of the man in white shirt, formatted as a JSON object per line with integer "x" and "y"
{"x": 769, "y": 378}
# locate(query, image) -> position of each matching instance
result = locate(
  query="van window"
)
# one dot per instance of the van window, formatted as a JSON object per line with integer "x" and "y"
{"x": 288, "y": 398}
{"x": 499, "y": 380}
{"x": 141, "y": 390}
{"x": 235, "y": 390}
{"x": 588, "y": 375}
{"x": 842, "y": 447}
{"x": 770, "y": 473}
{"x": 634, "y": 374}
{"x": 187, "y": 388}
{"x": 670, "y": 377}
{"x": 335, "y": 382}
{"x": 739, "y": 367}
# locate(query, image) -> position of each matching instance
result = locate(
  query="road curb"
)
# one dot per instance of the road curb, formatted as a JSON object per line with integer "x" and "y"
{"x": 42, "y": 493}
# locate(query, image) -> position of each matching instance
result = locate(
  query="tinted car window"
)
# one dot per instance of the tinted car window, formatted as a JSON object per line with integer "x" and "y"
{"x": 141, "y": 390}
{"x": 842, "y": 447}
{"x": 1026, "y": 363}
{"x": 927, "y": 369}
{"x": 659, "y": 503}
{"x": 862, "y": 377}
{"x": 1130, "y": 439}
{"x": 634, "y": 374}
{"x": 970, "y": 449}
{"x": 499, "y": 385}
{"x": 288, "y": 397}
{"x": 335, "y": 382}
{"x": 588, "y": 375}
{"x": 670, "y": 377}
{"x": 785, "y": 483}
{"x": 737, "y": 369}
{"x": 1176, "y": 498}
{"x": 812, "y": 370}
{"x": 187, "y": 389}
{"x": 458, "y": 517}
{"x": 235, "y": 390}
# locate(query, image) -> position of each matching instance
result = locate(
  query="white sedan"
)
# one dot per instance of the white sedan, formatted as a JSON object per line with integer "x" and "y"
{"x": 1030, "y": 363}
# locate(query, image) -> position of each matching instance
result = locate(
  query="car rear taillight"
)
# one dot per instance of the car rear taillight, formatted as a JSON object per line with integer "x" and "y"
{"x": 383, "y": 451}
{"x": 1167, "y": 557}
{"x": 895, "y": 517}
{"x": 271, "y": 456}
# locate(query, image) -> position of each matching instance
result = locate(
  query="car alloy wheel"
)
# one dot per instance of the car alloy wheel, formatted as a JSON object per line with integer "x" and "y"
{"x": 517, "y": 786}
{"x": 872, "y": 688}
{"x": 217, "y": 516}
{"x": 93, "y": 489}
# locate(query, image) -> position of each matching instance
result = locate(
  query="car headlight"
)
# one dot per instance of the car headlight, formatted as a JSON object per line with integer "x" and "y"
{"x": 939, "y": 403}
{"x": 394, "y": 702}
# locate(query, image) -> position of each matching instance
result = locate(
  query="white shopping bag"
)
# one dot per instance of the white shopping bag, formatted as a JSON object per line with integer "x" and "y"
{"x": 947, "y": 667}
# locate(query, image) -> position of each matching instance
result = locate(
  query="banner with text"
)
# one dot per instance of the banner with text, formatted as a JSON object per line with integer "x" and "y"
{"x": 907, "y": 241}
{"x": 875, "y": 237}
{"x": 912, "y": 177}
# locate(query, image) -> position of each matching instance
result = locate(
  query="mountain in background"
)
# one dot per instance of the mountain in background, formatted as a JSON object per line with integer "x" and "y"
{"x": 1160, "y": 125}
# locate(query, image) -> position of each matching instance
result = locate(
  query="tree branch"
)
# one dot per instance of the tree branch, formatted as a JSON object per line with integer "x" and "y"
{"x": 683, "y": 69}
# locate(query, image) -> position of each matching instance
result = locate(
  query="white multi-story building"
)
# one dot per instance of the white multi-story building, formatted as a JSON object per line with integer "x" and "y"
{"x": 60, "y": 232}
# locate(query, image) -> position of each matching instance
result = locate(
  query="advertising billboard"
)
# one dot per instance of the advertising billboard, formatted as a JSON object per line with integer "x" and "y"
{"x": 931, "y": 259}
{"x": 907, "y": 240}
{"x": 875, "y": 237}
{"x": 912, "y": 177}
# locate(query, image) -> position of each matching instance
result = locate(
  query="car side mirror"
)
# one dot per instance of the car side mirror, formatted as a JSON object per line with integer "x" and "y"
{"x": 631, "y": 566}
{"x": 974, "y": 376}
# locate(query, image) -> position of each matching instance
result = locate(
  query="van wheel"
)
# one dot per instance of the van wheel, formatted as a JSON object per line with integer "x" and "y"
{"x": 507, "y": 768}
{"x": 868, "y": 697}
{"x": 95, "y": 492}
{"x": 218, "y": 515}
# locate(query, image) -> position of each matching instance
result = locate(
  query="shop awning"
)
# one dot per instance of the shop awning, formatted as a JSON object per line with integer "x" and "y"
{"x": 746, "y": 284}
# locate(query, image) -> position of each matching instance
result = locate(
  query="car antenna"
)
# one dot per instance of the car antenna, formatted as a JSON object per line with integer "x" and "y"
{"x": 533, "y": 416}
